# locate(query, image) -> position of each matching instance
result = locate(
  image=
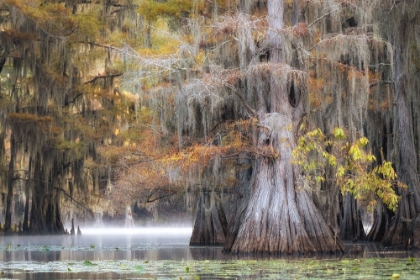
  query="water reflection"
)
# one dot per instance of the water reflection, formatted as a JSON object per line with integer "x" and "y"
{"x": 100, "y": 244}
{"x": 20, "y": 256}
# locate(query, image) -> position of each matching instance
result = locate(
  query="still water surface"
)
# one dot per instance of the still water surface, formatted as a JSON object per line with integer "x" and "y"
{"x": 163, "y": 253}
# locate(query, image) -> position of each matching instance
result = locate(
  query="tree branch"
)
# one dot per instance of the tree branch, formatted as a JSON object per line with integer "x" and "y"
{"x": 321, "y": 17}
{"x": 242, "y": 98}
{"x": 75, "y": 201}
{"x": 103, "y": 77}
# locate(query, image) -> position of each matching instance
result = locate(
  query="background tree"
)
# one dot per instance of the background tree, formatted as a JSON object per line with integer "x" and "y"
{"x": 57, "y": 108}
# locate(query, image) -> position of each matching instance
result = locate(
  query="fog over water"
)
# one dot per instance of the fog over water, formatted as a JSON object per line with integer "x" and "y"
{"x": 107, "y": 243}
{"x": 129, "y": 253}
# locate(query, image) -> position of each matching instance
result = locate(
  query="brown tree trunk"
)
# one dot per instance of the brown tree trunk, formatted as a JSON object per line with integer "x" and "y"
{"x": 402, "y": 32}
{"x": 45, "y": 213}
{"x": 10, "y": 182}
{"x": 238, "y": 202}
{"x": 380, "y": 223}
{"x": 25, "y": 226}
{"x": 210, "y": 222}
{"x": 281, "y": 218}
{"x": 350, "y": 221}
{"x": 399, "y": 233}
{"x": 39, "y": 199}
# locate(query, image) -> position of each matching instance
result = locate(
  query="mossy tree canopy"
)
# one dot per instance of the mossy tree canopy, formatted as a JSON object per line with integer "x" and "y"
{"x": 334, "y": 57}
{"x": 217, "y": 90}
{"x": 60, "y": 104}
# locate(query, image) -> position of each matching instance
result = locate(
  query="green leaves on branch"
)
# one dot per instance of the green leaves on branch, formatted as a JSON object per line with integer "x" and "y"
{"x": 353, "y": 167}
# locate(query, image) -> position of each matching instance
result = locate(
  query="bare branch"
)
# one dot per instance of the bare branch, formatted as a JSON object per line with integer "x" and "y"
{"x": 103, "y": 77}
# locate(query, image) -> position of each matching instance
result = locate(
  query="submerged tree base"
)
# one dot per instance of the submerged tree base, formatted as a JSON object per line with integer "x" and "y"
{"x": 281, "y": 218}
{"x": 210, "y": 222}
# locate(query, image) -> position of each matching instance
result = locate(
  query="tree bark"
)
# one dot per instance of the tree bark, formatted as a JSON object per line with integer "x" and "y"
{"x": 10, "y": 182}
{"x": 238, "y": 202}
{"x": 401, "y": 232}
{"x": 210, "y": 222}
{"x": 409, "y": 206}
{"x": 380, "y": 223}
{"x": 351, "y": 226}
{"x": 281, "y": 218}
{"x": 37, "y": 220}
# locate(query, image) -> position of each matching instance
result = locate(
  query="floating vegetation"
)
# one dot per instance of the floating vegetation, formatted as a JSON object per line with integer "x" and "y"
{"x": 88, "y": 263}
{"x": 369, "y": 268}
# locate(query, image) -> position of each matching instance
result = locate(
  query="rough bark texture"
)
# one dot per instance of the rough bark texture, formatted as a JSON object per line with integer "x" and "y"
{"x": 380, "y": 224}
{"x": 238, "y": 202}
{"x": 10, "y": 183}
{"x": 351, "y": 226}
{"x": 402, "y": 33}
{"x": 281, "y": 217}
{"x": 210, "y": 222}
{"x": 409, "y": 206}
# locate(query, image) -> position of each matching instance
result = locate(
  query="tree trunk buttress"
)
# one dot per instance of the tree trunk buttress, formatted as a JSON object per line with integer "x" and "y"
{"x": 210, "y": 222}
{"x": 381, "y": 218}
{"x": 402, "y": 34}
{"x": 350, "y": 221}
{"x": 281, "y": 217}
{"x": 400, "y": 230}
{"x": 238, "y": 202}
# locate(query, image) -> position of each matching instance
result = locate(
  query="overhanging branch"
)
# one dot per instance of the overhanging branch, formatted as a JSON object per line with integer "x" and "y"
{"x": 242, "y": 98}
{"x": 103, "y": 77}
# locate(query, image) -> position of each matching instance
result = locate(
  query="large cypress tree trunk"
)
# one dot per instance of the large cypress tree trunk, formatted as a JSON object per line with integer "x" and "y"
{"x": 400, "y": 232}
{"x": 401, "y": 229}
{"x": 281, "y": 217}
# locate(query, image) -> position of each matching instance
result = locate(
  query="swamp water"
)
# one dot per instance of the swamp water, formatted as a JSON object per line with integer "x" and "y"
{"x": 163, "y": 253}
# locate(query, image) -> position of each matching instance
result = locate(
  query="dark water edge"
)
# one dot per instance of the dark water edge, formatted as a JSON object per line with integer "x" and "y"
{"x": 165, "y": 254}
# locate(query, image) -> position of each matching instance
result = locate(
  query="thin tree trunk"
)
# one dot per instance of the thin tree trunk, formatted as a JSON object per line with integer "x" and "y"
{"x": 25, "y": 226}
{"x": 10, "y": 182}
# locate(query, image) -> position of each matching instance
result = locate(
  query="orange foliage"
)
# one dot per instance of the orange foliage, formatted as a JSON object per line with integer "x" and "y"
{"x": 26, "y": 117}
{"x": 297, "y": 31}
{"x": 145, "y": 164}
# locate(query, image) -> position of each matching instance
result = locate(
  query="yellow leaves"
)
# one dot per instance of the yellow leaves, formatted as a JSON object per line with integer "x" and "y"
{"x": 341, "y": 171}
{"x": 339, "y": 133}
{"x": 195, "y": 156}
{"x": 355, "y": 152}
{"x": 316, "y": 152}
{"x": 332, "y": 160}
{"x": 200, "y": 57}
{"x": 26, "y": 117}
{"x": 363, "y": 141}
{"x": 386, "y": 170}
